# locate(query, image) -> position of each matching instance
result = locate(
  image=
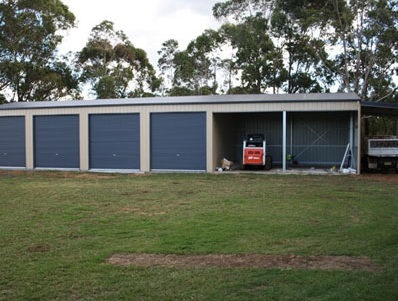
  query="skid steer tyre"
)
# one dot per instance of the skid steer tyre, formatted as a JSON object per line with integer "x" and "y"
{"x": 268, "y": 163}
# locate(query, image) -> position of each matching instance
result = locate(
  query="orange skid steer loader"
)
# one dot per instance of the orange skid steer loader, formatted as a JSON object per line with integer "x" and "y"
{"x": 255, "y": 152}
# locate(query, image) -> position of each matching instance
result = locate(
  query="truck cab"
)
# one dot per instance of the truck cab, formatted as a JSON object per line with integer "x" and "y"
{"x": 382, "y": 153}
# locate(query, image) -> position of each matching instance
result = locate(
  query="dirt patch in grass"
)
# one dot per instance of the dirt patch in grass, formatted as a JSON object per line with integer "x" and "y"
{"x": 39, "y": 248}
{"x": 6, "y": 175}
{"x": 71, "y": 236}
{"x": 245, "y": 261}
{"x": 138, "y": 211}
{"x": 57, "y": 174}
{"x": 68, "y": 174}
{"x": 12, "y": 173}
{"x": 79, "y": 175}
{"x": 134, "y": 193}
{"x": 145, "y": 174}
{"x": 387, "y": 178}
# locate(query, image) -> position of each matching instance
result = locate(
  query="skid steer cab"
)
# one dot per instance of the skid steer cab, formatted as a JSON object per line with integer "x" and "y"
{"x": 255, "y": 152}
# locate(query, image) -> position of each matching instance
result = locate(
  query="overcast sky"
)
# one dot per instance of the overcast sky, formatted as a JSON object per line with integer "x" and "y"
{"x": 147, "y": 23}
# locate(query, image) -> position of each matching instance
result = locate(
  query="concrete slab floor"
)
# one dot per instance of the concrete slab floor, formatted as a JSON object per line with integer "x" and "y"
{"x": 290, "y": 171}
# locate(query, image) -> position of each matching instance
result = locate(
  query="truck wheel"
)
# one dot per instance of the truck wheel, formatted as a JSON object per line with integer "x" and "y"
{"x": 364, "y": 164}
{"x": 268, "y": 163}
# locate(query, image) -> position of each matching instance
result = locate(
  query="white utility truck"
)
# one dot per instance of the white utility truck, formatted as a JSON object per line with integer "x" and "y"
{"x": 382, "y": 153}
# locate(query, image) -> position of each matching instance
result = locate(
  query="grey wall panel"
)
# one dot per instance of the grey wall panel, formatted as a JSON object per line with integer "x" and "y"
{"x": 318, "y": 138}
{"x": 12, "y": 141}
{"x": 268, "y": 124}
{"x": 115, "y": 141}
{"x": 56, "y": 141}
{"x": 178, "y": 141}
{"x": 232, "y": 129}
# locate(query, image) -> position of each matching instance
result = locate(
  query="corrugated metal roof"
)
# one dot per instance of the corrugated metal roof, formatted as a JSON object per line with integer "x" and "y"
{"x": 209, "y": 99}
{"x": 379, "y": 108}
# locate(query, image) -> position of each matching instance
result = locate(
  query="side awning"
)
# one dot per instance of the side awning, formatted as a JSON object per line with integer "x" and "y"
{"x": 379, "y": 108}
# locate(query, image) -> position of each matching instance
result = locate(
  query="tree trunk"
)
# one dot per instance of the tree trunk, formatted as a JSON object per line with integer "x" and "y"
{"x": 342, "y": 34}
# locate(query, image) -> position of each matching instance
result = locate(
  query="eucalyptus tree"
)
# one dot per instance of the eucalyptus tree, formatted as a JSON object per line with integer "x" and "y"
{"x": 113, "y": 67}
{"x": 30, "y": 32}
{"x": 2, "y": 99}
{"x": 202, "y": 69}
{"x": 368, "y": 33}
{"x": 292, "y": 25}
{"x": 260, "y": 62}
{"x": 288, "y": 24}
{"x": 166, "y": 64}
{"x": 351, "y": 44}
{"x": 192, "y": 71}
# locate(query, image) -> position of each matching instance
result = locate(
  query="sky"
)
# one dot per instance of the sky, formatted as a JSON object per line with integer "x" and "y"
{"x": 147, "y": 23}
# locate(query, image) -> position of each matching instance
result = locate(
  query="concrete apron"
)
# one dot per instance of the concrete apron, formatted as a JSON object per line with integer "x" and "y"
{"x": 289, "y": 171}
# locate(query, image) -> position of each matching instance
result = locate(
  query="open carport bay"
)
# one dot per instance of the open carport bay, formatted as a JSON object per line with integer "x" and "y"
{"x": 312, "y": 138}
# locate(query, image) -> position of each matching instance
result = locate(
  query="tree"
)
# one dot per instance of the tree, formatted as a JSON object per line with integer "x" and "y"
{"x": 193, "y": 70}
{"x": 368, "y": 33}
{"x": 353, "y": 42}
{"x": 241, "y": 9}
{"x": 292, "y": 25}
{"x": 297, "y": 60}
{"x": 259, "y": 61}
{"x": 2, "y": 99}
{"x": 114, "y": 67}
{"x": 166, "y": 64}
{"x": 196, "y": 67}
{"x": 29, "y": 34}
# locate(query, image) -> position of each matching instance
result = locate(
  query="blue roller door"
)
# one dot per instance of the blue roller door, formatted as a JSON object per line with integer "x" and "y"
{"x": 178, "y": 141}
{"x": 115, "y": 141}
{"x": 56, "y": 141}
{"x": 12, "y": 141}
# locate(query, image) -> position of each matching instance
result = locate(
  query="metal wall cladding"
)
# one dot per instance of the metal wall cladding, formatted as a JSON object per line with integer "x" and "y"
{"x": 178, "y": 141}
{"x": 12, "y": 141}
{"x": 318, "y": 138}
{"x": 268, "y": 124}
{"x": 114, "y": 141}
{"x": 313, "y": 138}
{"x": 56, "y": 141}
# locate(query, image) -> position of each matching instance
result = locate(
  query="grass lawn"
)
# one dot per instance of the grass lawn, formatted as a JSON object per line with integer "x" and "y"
{"x": 57, "y": 230}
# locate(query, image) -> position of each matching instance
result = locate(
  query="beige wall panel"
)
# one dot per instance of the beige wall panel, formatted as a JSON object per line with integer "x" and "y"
{"x": 84, "y": 141}
{"x": 144, "y": 141}
{"x": 224, "y": 129}
{"x": 29, "y": 141}
{"x": 209, "y": 142}
{"x": 217, "y": 108}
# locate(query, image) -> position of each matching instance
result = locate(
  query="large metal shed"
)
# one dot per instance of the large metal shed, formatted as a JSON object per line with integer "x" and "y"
{"x": 178, "y": 133}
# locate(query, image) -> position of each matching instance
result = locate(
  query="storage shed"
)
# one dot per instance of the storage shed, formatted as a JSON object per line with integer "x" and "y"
{"x": 190, "y": 133}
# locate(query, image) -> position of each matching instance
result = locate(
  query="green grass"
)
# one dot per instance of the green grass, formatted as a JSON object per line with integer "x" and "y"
{"x": 57, "y": 229}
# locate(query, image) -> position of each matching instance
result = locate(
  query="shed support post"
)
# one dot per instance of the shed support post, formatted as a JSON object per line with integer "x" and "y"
{"x": 284, "y": 141}
{"x": 84, "y": 141}
{"x": 352, "y": 138}
{"x": 29, "y": 145}
{"x": 209, "y": 142}
{"x": 145, "y": 148}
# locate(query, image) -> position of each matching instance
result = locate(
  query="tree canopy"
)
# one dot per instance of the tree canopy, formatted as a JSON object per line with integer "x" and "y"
{"x": 29, "y": 66}
{"x": 351, "y": 44}
{"x": 261, "y": 46}
{"x": 113, "y": 66}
